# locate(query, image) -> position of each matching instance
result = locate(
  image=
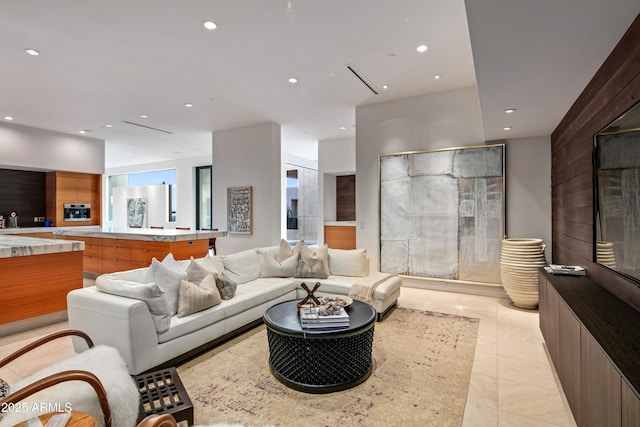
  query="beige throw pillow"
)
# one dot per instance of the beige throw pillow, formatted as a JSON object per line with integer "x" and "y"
{"x": 313, "y": 262}
{"x": 285, "y": 251}
{"x": 193, "y": 298}
{"x": 196, "y": 272}
{"x": 273, "y": 268}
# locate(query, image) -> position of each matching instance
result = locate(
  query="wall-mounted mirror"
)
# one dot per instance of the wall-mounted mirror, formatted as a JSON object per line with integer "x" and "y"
{"x": 617, "y": 195}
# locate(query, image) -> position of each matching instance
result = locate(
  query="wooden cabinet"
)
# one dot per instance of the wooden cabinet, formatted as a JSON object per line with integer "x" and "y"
{"x": 592, "y": 340}
{"x": 340, "y": 237}
{"x": 72, "y": 187}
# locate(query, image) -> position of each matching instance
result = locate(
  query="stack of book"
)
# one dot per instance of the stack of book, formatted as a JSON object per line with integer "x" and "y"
{"x": 571, "y": 270}
{"x": 310, "y": 319}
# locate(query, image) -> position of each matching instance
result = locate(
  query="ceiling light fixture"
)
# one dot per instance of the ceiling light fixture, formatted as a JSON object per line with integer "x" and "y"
{"x": 437, "y": 76}
{"x": 210, "y": 25}
{"x": 510, "y": 110}
{"x": 144, "y": 116}
{"x": 343, "y": 128}
{"x": 188, "y": 105}
{"x": 422, "y": 48}
{"x": 293, "y": 80}
{"x": 32, "y": 52}
{"x": 108, "y": 126}
{"x": 507, "y": 128}
{"x": 385, "y": 87}
{"x": 8, "y": 118}
{"x": 84, "y": 131}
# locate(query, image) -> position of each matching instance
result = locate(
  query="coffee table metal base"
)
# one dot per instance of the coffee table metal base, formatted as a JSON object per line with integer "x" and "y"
{"x": 321, "y": 364}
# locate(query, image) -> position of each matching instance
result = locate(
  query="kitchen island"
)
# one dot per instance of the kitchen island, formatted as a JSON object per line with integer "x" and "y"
{"x": 110, "y": 249}
{"x": 35, "y": 276}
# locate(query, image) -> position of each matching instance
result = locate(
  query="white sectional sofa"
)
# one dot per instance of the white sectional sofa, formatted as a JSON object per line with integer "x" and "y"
{"x": 122, "y": 309}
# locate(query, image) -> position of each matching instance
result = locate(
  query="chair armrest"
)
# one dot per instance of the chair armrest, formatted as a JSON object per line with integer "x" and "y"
{"x": 51, "y": 380}
{"x": 43, "y": 340}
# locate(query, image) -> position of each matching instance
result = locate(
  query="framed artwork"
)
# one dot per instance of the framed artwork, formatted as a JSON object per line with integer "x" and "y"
{"x": 443, "y": 213}
{"x": 137, "y": 212}
{"x": 239, "y": 210}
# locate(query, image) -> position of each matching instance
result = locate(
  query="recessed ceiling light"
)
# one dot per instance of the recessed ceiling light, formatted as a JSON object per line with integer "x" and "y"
{"x": 293, "y": 80}
{"x": 507, "y": 128}
{"x": 8, "y": 118}
{"x": 210, "y": 25}
{"x": 422, "y": 48}
{"x": 84, "y": 131}
{"x": 144, "y": 116}
{"x": 108, "y": 126}
{"x": 188, "y": 105}
{"x": 32, "y": 52}
{"x": 343, "y": 128}
{"x": 437, "y": 76}
{"x": 385, "y": 87}
{"x": 509, "y": 110}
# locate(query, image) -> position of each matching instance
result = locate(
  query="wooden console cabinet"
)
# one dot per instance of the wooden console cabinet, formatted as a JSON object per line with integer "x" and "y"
{"x": 593, "y": 339}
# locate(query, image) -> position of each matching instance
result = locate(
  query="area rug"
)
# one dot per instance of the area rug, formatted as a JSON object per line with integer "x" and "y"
{"x": 421, "y": 369}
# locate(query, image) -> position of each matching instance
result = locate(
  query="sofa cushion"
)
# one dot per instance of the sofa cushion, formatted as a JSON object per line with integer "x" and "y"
{"x": 150, "y": 293}
{"x": 313, "y": 262}
{"x": 242, "y": 267}
{"x": 194, "y": 297}
{"x": 226, "y": 286}
{"x": 271, "y": 267}
{"x": 249, "y": 295}
{"x": 348, "y": 262}
{"x": 168, "y": 277}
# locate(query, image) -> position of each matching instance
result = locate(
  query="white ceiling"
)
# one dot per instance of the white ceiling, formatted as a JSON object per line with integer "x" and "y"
{"x": 106, "y": 62}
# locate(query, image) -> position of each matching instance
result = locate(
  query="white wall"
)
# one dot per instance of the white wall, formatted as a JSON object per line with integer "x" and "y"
{"x": 23, "y": 147}
{"x": 185, "y": 188}
{"x": 529, "y": 189}
{"x": 157, "y": 197}
{"x": 249, "y": 156}
{"x": 447, "y": 120}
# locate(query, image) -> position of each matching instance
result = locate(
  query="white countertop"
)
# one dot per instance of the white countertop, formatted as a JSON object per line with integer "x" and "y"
{"x": 147, "y": 234}
{"x": 14, "y": 246}
{"x": 340, "y": 223}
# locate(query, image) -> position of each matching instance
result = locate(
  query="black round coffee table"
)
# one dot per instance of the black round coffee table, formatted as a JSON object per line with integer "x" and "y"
{"x": 320, "y": 362}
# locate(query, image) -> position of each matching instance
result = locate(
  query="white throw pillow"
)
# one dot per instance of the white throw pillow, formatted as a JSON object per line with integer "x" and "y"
{"x": 196, "y": 272}
{"x": 271, "y": 267}
{"x": 150, "y": 293}
{"x": 272, "y": 251}
{"x": 212, "y": 263}
{"x": 242, "y": 267}
{"x": 349, "y": 262}
{"x": 194, "y": 298}
{"x": 169, "y": 281}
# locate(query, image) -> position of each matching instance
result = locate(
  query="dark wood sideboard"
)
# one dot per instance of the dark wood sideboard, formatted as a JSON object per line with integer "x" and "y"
{"x": 593, "y": 339}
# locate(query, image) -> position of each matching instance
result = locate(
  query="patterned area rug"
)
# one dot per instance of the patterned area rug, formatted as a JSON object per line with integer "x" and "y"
{"x": 422, "y": 364}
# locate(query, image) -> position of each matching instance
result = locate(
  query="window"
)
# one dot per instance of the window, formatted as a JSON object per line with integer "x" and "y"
{"x": 302, "y": 204}
{"x": 159, "y": 177}
{"x": 203, "y": 197}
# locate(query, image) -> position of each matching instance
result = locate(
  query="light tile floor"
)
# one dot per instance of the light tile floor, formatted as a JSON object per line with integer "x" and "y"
{"x": 512, "y": 381}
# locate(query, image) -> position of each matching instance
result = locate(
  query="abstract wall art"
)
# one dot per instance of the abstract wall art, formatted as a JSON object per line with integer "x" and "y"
{"x": 442, "y": 213}
{"x": 239, "y": 210}
{"x": 137, "y": 212}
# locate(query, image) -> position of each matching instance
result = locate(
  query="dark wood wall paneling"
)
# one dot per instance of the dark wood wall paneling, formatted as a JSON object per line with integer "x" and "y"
{"x": 22, "y": 192}
{"x": 613, "y": 90}
{"x": 346, "y": 198}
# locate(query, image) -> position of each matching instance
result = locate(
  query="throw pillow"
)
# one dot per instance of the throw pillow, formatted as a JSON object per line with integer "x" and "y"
{"x": 285, "y": 251}
{"x": 242, "y": 267}
{"x": 273, "y": 268}
{"x": 226, "y": 286}
{"x": 196, "y": 272}
{"x": 349, "y": 262}
{"x": 212, "y": 263}
{"x": 310, "y": 270}
{"x": 193, "y": 298}
{"x": 169, "y": 281}
{"x": 150, "y": 293}
{"x": 311, "y": 257}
